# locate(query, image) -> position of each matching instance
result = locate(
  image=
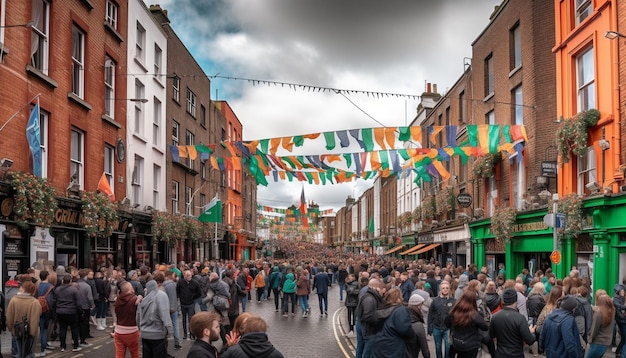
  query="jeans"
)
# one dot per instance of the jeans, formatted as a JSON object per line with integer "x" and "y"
{"x": 360, "y": 343}
{"x": 44, "y": 322}
{"x": 64, "y": 321}
{"x": 304, "y": 303}
{"x": 596, "y": 350}
{"x": 126, "y": 341}
{"x": 188, "y": 312}
{"x": 323, "y": 300}
{"x": 203, "y": 306}
{"x": 350, "y": 311}
{"x": 286, "y": 298}
{"x": 101, "y": 309}
{"x": 83, "y": 325}
{"x": 622, "y": 339}
{"x": 27, "y": 344}
{"x": 244, "y": 300}
{"x": 174, "y": 317}
{"x": 156, "y": 348}
{"x": 276, "y": 296}
{"x": 438, "y": 336}
{"x": 342, "y": 288}
{"x": 266, "y": 291}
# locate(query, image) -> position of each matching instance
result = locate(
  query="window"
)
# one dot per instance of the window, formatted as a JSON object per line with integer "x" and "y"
{"x": 586, "y": 170}
{"x": 190, "y": 140}
{"x": 518, "y": 175}
{"x": 140, "y": 43}
{"x": 109, "y": 87}
{"x": 583, "y": 10}
{"x": 191, "y": 103}
{"x": 176, "y": 88}
{"x": 175, "y": 188}
{"x": 139, "y": 93}
{"x": 202, "y": 115}
{"x": 77, "y": 164}
{"x": 203, "y": 169}
{"x": 462, "y": 105}
{"x": 137, "y": 179}
{"x": 188, "y": 203}
{"x": 223, "y": 135}
{"x": 156, "y": 174}
{"x": 44, "y": 118}
{"x": 111, "y": 14}
{"x": 158, "y": 57}
{"x": 518, "y": 108}
{"x": 492, "y": 195}
{"x": 491, "y": 118}
{"x": 203, "y": 201}
{"x": 585, "y": 80}
{"x": 489, "y": 79}
{"x": 78, "y": 62}
{"x": 109, "y": 164}
{"x": 156, "y": 123}
{"x": 516, "y": 47}
{"x": 39, "y": 37}
{"x": 175, "y": 132}
{"x": 2, "y": 23}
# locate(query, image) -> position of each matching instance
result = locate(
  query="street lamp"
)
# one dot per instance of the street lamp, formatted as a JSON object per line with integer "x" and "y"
{"x": 611, "y": 35}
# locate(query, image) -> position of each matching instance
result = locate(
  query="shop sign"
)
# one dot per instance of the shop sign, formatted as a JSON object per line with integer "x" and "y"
{"x": 425, "y": 239}
{"x": 69, "y": 217}
{"x": 464, "y": 200}
{"x": 549, "y": 169}
{"x": 13, "y": 247}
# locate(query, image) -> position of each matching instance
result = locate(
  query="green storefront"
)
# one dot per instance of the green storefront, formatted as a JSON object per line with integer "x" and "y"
{"x": 598, "y": 252}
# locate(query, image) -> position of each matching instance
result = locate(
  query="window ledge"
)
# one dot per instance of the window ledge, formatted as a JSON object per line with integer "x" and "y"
{"x": 140, "y": 137}
{"x": 42, "y": 76}
{"x": 158, "y": 149}
{"x": 78, "y": 100}
{"x": 111, "y": 121}
{"x": 515, "y": 70}
{"x": 113, "y": 32}
{"x": 3, "y": 51}
{"x": 489, "y": 96}
{"x": 140, "y": 63}
{"x": 158, "y": 80}
{"x": 88, "y": 4}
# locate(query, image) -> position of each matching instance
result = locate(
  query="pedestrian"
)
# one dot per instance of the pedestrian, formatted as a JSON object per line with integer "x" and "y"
{"x": 169, "y": 287}
{"x": 233, "y": 290}
{"x": 153, "y": 319}
{"x": 112, "y": 282}
{"x": 205, "y": 326}
{"x": 188, "y": 290}
{"x": 602, "y": 325}
{"x": 396, "y": 327}
{"x": 251, "y": 341}
{"x": 406, "y": 286}
{"x": 463, "y": 281}
{"x": 126, "y": 332}
{"x": 620, "y": 315}
{"x": 510, "y": 328}
{"x": 44, "y": 290}
{"x": 24, "y": 305}
{"x": 259, "y": 284}
{"x": 535, "y": 304}
{"x": 492, "y": 298}
{"x": 342, "y": 274}
{"x": 274, "y": 283}
{"x": 133, "y": 278}
{"x": 303, "y": 290}
{"x": 419, "y": 343}
{"x": 352, "y": 300}
{"x": 367, "y": 323}
{"x": 289, "y": 294}
{"x": 560, "y": 336}
{"x": 67, "y": 302}
{"x": 85, "y": 309}
{"x": 439, "y": 309}
{"x": 465, "y": 324}
{"x": 219, "y": 287}
{"x": 242, "y": 282}
{"x": 101, "y": 301}
{"x": 321, "y": 282}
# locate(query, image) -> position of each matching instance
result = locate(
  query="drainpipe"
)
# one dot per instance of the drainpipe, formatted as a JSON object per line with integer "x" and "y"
{"x": 616, "y": 140}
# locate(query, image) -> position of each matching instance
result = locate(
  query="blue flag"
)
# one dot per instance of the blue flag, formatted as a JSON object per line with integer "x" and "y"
{"x": 33, "y": 135}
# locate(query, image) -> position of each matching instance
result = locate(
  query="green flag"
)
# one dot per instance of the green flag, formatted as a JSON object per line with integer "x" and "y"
{"x": 213, "y": 212}
{"x": 371, "y": 226}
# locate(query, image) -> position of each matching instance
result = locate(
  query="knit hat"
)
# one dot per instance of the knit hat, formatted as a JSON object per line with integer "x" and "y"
{"x": 275, "y": 268}
{"x": 415, "y": 300}
{"x": 509, "y": 296}
{"x": 60, "y": 270}
{"x": 205, "y": 270}
{"x": 569, "y": 303}
{"x": 463, "y": 280}
{"x": 131, "y": 273}
{"x": 618, "y": 287}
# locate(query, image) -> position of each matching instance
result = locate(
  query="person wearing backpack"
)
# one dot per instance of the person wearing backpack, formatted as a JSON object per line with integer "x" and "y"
{"x": 43, "y": 295}
{"x": 275, "y": 285}
{"x": 24, "y": 305}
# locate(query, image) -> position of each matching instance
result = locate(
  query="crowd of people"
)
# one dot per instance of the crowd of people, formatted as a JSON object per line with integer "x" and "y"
{"x": 393, "y": 307}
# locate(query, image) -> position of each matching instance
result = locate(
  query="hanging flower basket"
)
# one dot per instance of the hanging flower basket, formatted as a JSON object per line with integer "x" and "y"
{"x": 445, "y": 200}
{"x": 167, "y": 227}
{"x": 35, "y": 200}
{"x": 99, "y": 214}
{"x": 484, "y": 167}
{"x": 502, "y": 223}
{"x": 417, "y": 214}
{"x": 573, "y": 134}
{"x": 429, "y": 207}
{"x": 572, "y": 206}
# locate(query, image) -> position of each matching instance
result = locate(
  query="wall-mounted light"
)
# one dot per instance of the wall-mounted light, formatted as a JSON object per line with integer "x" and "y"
{"x": 611, "y": 35}
{"x": 593, "y": 187}
{"x": 604, "y": 144}
{"x": 5, "y": 164}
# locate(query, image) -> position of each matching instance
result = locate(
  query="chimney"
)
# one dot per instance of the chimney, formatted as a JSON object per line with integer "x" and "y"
{"x": 435, "y": 88}
{"x": 428, "y": 87}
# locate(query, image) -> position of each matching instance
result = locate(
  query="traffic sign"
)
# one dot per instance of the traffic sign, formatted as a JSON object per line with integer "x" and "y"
{"x": 548, "y": 219}
{"x": 555, "y": 257}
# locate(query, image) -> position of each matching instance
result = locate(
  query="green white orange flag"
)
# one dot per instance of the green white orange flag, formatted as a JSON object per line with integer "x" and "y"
{"x": 213, "y": 212}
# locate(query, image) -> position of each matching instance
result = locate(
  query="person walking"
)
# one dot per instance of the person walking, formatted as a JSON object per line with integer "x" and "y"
{"x": 367, "y": 324}
{"x": 259, "y": 284}
{"x": 510, "y": 328}
{"x": 342, "y": 274}
{"x": 439, "y": 309}
{"x": 24, "y": 304}
{"x": 352, "y": 300}
{"x": 169, "y": 287}
{"x": 101, "y": 301}
{"x": 321, "y": 282}
{"x": 465, "y": 324}
{"x": 534, "y": 305}
{"x": 188, "y": 290}
{"x": 303, "y": 290}
{"x": 205, "y": 326}
{"x": 560, "y": 336}
{"x": 289, "y": 294}
{"x": 620, "y": 315}
{"x": 44, "y": 290}
{"x": 396, "y": 327}
{"x": 153, "y": 319}
{"x": 419, "y": 343}
{"x": 87, "y": 305}
{"x": 68, "y": 301}
{"x": 602, "y": 325}
{"x": 274, "y": 283}
{"x": 126, "y": 332}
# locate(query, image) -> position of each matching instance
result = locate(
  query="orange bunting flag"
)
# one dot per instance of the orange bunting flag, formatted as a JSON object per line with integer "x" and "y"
{"x": 105, "y": 188}
{"x": 433, "y": 135}
{"x": 416, "y": 133}
{"x": 379, "y": 136}
{"x": 390, "y": 136}
{"x": 275, "y": 143}
{"x": 193, "y": 154}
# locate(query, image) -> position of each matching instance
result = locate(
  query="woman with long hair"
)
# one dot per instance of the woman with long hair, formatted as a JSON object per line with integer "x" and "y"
{"x": 419, "y": 343}
{"x": 551, "y": 303}
{"x": 465, "y": 323}
{"x": 602, "y": 325}
{"x": 492, "y": 298}
{"x": 534, "y": 304}
{"x": 390, "y": 341}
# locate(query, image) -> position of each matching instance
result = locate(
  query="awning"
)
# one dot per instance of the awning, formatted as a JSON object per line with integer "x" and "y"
{"x": 416, "y": 247}
{"x": 427, "y": 248}
{"x": 391, "y": 251}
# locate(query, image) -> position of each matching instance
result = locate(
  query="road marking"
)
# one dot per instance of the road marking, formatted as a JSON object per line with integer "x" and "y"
{"x": 336, "y": 318}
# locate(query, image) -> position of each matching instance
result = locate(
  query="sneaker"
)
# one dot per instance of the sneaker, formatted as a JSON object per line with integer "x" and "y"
{"x": 277, "y": 310}
{"x": 293, "y": 313}
{"x": 286, "y": 315}
{"x": 50, "y": 348}
{"x": 326, "y": 313}
{"x": 62, "y": 349}
{"x": 178, "y": 347}
{"x": 77, "y": 349}
{"x": 42, "y": 354}
{"x": 53, "y": 345}
{"x": 85, "y": 344}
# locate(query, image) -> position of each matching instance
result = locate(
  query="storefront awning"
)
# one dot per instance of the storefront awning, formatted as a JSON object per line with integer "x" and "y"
{"x": 427, "y": 248}
{"x": 391, "y": 251}
{"x": 414, "y": 248}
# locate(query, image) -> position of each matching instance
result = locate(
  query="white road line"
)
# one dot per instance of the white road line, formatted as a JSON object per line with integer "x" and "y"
{"x": 336, "y": 318}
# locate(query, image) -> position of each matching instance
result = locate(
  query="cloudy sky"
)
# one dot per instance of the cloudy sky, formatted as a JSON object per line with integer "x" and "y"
{"x": 393, "y": 46}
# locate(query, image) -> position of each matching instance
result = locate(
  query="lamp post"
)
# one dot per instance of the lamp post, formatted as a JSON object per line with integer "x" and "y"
{"x": 555, "y": 234}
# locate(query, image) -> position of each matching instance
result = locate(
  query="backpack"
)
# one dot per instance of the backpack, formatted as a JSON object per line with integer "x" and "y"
{"x": 43, "y": 301}
{"x": 220, "y": 302}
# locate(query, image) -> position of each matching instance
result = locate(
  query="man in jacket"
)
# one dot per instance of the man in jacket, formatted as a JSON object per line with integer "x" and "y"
{"x": 559, "y": 335}
{"x": 321, "y": 281}
{"x": 367, "y": 322}
{"x": 86, "y": 307}
{"x": 437, "y": 312}
{"x": 169, "y": 287}
{"x": 126, "y": 330}
{"x": 66, "y": 305}
{"x": 24, "y": 304}
{"x": 275, "y": 285}
{"x": 155, "y": 324}
{"x": 188, "y": 291}
{"x": 510, "y": 328}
